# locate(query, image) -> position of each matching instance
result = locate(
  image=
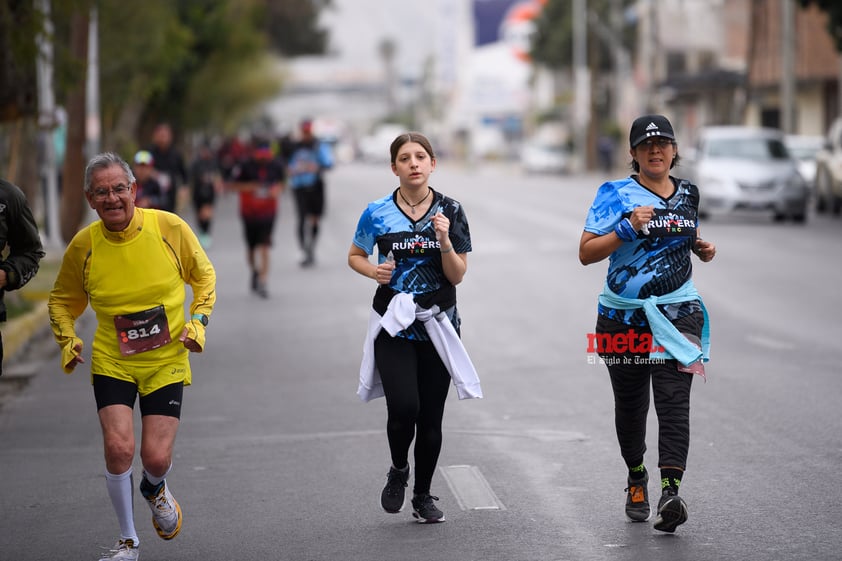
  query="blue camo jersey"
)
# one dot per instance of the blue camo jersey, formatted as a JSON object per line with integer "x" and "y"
{"x": 413, "y": 245}
{"x": 651, "y": 265}
{"x": 305, "y": 153}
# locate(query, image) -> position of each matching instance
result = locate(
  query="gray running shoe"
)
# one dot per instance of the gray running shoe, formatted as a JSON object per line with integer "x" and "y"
{"x": 394, "y": 493}
{"x": 672, "y": 511}
{"x": 425, "y": 510}
{"x": 637, "y": 499}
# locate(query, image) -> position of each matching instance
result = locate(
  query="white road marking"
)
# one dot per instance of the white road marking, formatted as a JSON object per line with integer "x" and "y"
{"x": 470, "y": 488}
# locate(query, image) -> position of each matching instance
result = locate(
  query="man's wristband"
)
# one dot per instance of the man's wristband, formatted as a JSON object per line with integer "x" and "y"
{"x": 448, "y": 250}
{"x": 625, "y": 231}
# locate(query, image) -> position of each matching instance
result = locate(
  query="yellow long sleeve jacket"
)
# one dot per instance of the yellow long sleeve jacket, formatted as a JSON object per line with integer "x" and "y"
{"x": 120, "y": 274}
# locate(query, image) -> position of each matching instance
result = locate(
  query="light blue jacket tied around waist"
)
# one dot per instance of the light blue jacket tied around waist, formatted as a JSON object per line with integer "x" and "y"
{"x": 676, "y": 345}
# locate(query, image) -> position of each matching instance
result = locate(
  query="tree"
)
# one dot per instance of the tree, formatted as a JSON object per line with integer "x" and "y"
{"x": 72, "y": 203}
{"x": 552, "y": 43}
{"x": 609, "y": 42}
{"x": 19, "y": 23}
{"x": 291, "y": 26}
{"x": 200, "y": 64}
{"x": 833, "y": 8}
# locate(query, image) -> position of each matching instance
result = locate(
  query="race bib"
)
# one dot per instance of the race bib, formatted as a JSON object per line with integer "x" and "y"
{"x": 142, "y": 331}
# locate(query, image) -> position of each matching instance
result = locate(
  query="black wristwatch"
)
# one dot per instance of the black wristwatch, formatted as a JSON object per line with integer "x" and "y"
{"x": 203, "y": 319}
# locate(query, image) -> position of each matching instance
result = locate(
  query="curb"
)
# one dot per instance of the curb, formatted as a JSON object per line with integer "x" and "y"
{"x": 18, "y": 332}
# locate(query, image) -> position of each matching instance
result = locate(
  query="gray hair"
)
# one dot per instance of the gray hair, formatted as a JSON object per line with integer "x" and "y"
{"x": 106, "y": 160}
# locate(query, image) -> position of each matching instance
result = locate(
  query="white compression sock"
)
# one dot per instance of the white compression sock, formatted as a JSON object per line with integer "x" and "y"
{"x": 120, "y": 489}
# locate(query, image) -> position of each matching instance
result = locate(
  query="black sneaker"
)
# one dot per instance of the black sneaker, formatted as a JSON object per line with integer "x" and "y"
{"x": 394, "y": 493}
{"x": 637, "y": 499}
{"x": 261, "y": 290}
{"x": 425, "y": 510}
{"x": 672, "y": 511}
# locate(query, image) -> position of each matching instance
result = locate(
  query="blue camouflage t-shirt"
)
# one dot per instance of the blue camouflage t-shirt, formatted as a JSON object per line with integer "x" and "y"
{"x": 413, "y": 246}
{"x": 653, "y": 264}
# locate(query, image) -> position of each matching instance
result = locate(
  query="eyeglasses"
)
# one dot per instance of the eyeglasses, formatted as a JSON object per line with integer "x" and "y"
{"x": 118, "y": 191}
{"x": 660, "y": 142}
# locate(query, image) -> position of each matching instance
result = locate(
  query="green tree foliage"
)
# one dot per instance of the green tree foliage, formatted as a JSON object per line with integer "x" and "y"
{"x": 18, "y": 26}
{"x": 291, "y": 26}
{"x": 205, "y": 64}
{"x": 834, "y": 13}
{"x": 199, "y": 64}
{"x": 142, "y": 47}
{"x": 225, "y": 50}
{"x": 552, "y": 43}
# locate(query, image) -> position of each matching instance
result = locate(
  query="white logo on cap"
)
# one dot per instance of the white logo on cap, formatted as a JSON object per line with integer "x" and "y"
{"x": 651, "y": 126}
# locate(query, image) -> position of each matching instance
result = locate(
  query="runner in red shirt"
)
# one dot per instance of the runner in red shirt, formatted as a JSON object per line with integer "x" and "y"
{"x": 260, "y": 182}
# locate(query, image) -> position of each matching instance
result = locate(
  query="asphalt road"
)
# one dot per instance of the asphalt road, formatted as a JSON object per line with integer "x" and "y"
{"x": 277, "y": 458}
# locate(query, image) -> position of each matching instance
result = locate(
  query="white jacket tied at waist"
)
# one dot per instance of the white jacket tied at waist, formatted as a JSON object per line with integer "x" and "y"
{"x": 400, "y": 314}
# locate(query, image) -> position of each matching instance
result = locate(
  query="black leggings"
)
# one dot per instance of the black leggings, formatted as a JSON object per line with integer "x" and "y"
{"x": 416, "y": 383}
{"x": 631, "y": 375}
{"x": 309, "y": 204}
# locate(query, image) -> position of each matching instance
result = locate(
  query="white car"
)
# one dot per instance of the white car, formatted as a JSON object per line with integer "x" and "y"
{"x": 374, "y": 148}
{"x": 746, "y": 168}
{"x": 544, "y": 157}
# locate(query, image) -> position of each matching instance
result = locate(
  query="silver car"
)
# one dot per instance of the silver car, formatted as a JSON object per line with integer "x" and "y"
{"x": 544, "y": 157}
{"x": 746, "y": 168}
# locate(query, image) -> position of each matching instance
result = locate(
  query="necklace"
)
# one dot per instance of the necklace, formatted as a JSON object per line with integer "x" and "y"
{"x": 412, "y": 206}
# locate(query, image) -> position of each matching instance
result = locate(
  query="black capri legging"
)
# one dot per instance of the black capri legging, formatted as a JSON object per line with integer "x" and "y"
{"x": 631, "y": 376}
{"x": 415, "y": 383}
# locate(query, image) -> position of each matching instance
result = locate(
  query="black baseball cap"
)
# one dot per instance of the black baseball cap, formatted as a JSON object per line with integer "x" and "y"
{"x": 650, "y": 125}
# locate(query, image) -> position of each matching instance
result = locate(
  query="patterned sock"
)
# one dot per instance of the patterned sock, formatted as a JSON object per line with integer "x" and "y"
{"x": 671, "y": 478}
{"x": 637, "y": 473}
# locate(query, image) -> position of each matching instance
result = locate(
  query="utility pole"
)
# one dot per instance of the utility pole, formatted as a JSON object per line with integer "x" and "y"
{"x": 611, "y": 35}
{"x": 93, "y": 128}
{"x": 581, "y": 78}
{"x": 388, "y": 50}
{"x": 787, "y": 67}
{"x": 46, "y": 125}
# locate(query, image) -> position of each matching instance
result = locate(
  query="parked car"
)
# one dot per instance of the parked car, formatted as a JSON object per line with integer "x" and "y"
{"x": 544, "y": 157}
{"x": 374, "y": 148}
{"x": 746, "y": 168}
{"x": 828, "y": 185}
{"x": 488, "y": 143}
{"x": 804, "y": 149}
